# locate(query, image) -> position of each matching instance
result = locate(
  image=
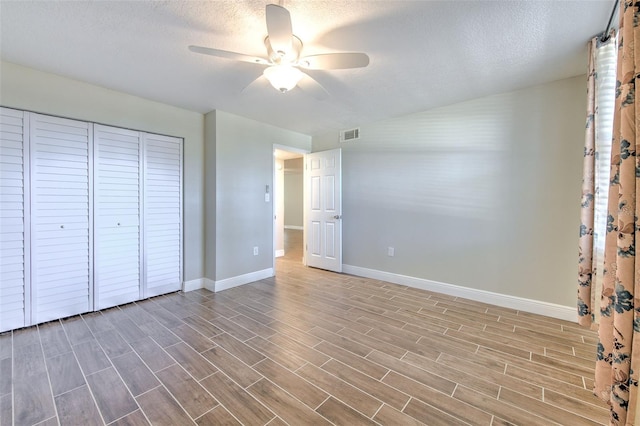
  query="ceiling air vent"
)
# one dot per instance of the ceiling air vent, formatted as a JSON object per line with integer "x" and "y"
{"x": 350, "y": 135}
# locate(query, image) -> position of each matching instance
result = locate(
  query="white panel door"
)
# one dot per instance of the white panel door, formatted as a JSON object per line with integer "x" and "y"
{"x": 117, "y": 211}
{"x": 61, "y": 217}
{"x": 14, "y": 215}
{"x": 323, "y": 210}
{"x": 162, "y": 214}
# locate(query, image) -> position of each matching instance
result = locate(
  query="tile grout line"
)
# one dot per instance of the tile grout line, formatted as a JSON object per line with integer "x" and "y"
{"x": 13, "y": 382}
{"x": 44, "y": 359}
{"x": 533, "y": 358}
{"x": 72, "y": 346}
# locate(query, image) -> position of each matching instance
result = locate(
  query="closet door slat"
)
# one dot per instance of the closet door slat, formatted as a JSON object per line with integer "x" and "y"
{"x": 90, "y": 217}
{"x": 117, "y": 213}
{"x": 14, "y": 216}
{"x": 162, "y": 214}
{"x": 61, "y": 217}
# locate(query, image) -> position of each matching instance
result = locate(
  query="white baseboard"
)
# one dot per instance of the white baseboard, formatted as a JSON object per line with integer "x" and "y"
{"x": 279, "y": 253}
{"x": 519, "y": 303}
{"x": 299, "y": 228}
{"x": 241, "y": 279}
{"x": 193, "y": 284}
{"x": 220, "y": 285}
{"x": 209, "y": 284}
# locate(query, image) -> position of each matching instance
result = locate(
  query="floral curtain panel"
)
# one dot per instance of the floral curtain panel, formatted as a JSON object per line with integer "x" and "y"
{"x": 586, "y": 267}
{"x": 595, "y": 182}
{"x": 618, "y": 355}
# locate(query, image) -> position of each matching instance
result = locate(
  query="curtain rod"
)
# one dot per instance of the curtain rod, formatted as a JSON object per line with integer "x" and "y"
{"x": 605, "y": 34}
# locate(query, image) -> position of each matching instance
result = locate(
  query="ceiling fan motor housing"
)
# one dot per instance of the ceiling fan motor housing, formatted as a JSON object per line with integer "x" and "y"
{"x": 284, "y": 57}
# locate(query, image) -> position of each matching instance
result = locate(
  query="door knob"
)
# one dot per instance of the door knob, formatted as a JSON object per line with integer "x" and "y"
{"x": 338, "y": 216}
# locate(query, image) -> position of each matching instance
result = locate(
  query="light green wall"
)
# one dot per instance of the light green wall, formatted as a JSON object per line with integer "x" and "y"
{"x": 279, "y": 203}
{"x": 244, "y": 166}
{"x": 32, "y": 90}
{"x": 482, "y": 194}
{"x": 293, "y": 198}
{"x": 210, "y": 196}
{"x": 225, "y": 214}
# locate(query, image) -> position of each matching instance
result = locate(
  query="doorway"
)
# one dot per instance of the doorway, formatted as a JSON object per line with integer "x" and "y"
{"x": 288, "y": 184}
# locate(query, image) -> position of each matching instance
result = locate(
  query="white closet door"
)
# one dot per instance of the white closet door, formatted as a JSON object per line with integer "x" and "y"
{"x": 162, "y": 214}
{"x": 61, "y": 217}
{"x": 14, "y": 214}
{"x": 117, "y": 181}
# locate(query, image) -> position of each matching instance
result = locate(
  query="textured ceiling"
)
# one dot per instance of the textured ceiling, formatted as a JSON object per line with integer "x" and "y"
{"x": 423, "y": 54}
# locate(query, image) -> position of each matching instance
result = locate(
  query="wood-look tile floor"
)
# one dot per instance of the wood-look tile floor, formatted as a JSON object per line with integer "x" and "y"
{"x": 308, "y": 347}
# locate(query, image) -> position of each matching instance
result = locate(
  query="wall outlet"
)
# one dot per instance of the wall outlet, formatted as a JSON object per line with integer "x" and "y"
{"x": 391, "y": 251}
{"x": 255, "y": 251}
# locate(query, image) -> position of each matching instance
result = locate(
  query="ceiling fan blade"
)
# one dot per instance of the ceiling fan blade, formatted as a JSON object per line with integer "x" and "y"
{"x": 334, "y": 61}
{"x": 228, "y": 55}
{"x": 258, "y": 83}
{"x": 309, "y": 85}
{"x": 279, "y": 28}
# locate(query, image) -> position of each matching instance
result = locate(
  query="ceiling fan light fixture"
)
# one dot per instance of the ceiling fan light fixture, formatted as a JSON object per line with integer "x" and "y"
{"x": 283, "y": 77}
{"x": 283, "y": 59}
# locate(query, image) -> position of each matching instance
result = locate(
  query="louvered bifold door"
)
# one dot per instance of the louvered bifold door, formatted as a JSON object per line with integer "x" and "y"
{"x": 162, "y": 214}
{"x": 61, "y": 217}
{"x": 14, "y": 216}
{"x": 117, "y": 208}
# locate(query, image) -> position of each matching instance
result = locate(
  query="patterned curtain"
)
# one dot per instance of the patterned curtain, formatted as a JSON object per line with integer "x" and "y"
{"x": 618, "y": 356}
{"x": 586, "y": 267}
{"x": 595, "y": 180}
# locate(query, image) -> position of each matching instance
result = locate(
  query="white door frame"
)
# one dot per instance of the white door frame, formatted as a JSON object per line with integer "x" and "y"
{"x": 287, "y": 148}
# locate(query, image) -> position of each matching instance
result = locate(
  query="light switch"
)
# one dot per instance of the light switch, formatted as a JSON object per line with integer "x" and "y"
{"x": 266, "y": 198}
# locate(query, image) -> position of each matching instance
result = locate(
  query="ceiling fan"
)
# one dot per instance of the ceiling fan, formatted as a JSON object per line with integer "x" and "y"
{"x": 283, "y": 59}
